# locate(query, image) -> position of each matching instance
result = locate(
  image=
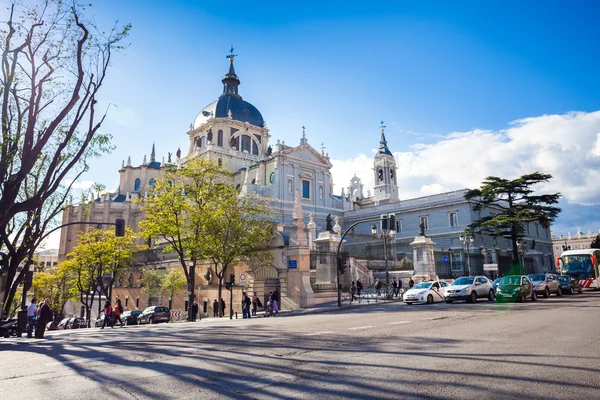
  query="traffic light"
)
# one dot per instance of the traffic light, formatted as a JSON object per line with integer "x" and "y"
{"x": 119, "y": 227}
{"x": 232, "y": 279}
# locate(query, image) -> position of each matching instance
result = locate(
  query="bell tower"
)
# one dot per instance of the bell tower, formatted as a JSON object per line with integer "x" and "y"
{"x": 384, "y": 168}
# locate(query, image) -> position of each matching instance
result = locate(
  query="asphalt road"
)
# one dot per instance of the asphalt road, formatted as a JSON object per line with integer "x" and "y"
{"x": 547, "y": 349}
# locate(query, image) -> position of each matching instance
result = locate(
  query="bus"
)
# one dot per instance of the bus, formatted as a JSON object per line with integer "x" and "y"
{"x": 581, "y": 264}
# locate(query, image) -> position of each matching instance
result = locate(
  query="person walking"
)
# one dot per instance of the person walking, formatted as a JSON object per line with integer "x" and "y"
{"x": 400, "y": 287}
{"x": 44, "y": 318}
{"x": 246, "y": 302}
{"x": 107, "y": 312}
{"x": 359, "y": 288}
{"x": 31, "y": 317}
{"x": 269, "y": 310}
{"x": 276, "y": 301}
{"x": 215, "y": 309}
{"x": 352, "y": 292}
{"x": 411, "y": 283}
{"x": 222, "y": 307}
{"x": 194, "y": 311}
{"x": 256, "y": 304}
{"x": 118, "y": 311}
{"x": 378, "y": 287}
{"x": 394, "y": 288}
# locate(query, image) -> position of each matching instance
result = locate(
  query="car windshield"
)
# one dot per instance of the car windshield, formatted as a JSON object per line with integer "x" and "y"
{"x": 497, "y": 281}
{"x": 537, "y": 277}
{"x": 149, "y": 309}
{"x": 464, "y": 281}
{"x": 135, "y": 312}
{"x": 578, "y": 266}
{"x": 563, "y": 278}
{"x": 510, "y": 280}
{"x": 422, "y": 285}
{"x": 161, "y": 309}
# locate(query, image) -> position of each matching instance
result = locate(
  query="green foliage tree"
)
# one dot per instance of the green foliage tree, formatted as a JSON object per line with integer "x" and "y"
{"x": 511, "y": 204}
{"x": 95, "y": 262}
{"x": 173, "y": 282}
{"x": 176, "y": 211}
{"x": 152, "y": 283}
{"x": 596, "y": 242}
{"x": 54, "y": 63}
{"x": 53, "y": 284}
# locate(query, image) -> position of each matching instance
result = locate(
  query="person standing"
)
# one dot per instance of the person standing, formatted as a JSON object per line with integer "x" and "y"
{"x": 359, "y": 287}
{"x": 31, "y": 317}
{"x": 400, "y": 287}
{"x": 411, "y": 283}
{"x": 44, "y": 318}
{"x": 215, "y": 308}
{"x": 394, "y": 287}
{"x": 246, "y": 305}
{"x": 378, "y": 287}
{"x": 276, "y": 302}
{"x": 256, "y": 304}
{"x": 222, "y": 307}
{"x": 118, "y": 311}
{"x": 353, "y": 292}
{"x": 194, "y": 311}
{"x": 107, "y": 311}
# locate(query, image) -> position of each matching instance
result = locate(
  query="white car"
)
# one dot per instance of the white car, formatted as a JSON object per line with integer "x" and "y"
{"x": 470, "y": 288}
{"x": 426, "y": 292}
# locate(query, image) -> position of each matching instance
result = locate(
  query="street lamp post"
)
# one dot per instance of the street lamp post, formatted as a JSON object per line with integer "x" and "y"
{"x": 467, "y": 239}
{"x": 521, "y": 244}
{"x": 388, "y": 223}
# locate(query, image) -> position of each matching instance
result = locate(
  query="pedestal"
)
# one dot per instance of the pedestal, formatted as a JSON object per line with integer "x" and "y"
{"x": 326, "y": 244}
{"x": 423, "y": 259}
{"x": 299, "y": 289}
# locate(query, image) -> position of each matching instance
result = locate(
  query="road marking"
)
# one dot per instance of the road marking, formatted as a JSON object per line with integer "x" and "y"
{"x": 318, "y": 333}
{"x": 266, "y": 339}
{"x": 361, "y": 327}
{"x": 399, "y": 322}
{"x": 81, "y": 360}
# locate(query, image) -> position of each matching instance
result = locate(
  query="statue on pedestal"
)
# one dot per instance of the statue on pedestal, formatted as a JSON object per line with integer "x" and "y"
{"x": 328, "y": 226}
{"x": 422, "y": 227}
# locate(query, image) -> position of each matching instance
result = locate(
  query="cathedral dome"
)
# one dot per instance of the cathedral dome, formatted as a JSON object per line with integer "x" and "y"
{"x": 230, "y": 103}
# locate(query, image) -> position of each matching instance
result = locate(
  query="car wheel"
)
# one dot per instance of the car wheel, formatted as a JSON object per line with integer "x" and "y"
{"x": 559, "y": 291}
{"x": 473, "y": 297}
{"x": 449, "y": 301}
{"x": 429, "y": 299}
{"x": 522, "y": 298}
{"x": 571, "y": 290}
{"x": 580, "y": 290}
{"x": 151, "y": 320}
{"x": 491, "y": 296}
{"x": 533, "y": 295}
{"x": 409, "y": 303}
{"x": 547, "y": 293}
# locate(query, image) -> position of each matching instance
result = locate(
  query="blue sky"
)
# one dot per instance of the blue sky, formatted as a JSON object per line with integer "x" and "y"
{"x": 437, "y": 72}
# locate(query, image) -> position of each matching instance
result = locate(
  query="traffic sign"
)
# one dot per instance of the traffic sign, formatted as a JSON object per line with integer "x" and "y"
{"x": 243, "y": 278}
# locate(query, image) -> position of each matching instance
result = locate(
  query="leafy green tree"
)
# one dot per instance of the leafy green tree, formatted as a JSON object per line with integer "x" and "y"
{"x": 509, "y": 204}
{"x": 596, "y": 242}
{"x": 53, "y": 284}
{"x": 54, "y": 63}
{"x": 177, "y": 209}
{"x": 174, "y": 282}
{"x": 152, "y": 283}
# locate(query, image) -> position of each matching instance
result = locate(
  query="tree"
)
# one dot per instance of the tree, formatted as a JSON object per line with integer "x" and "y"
{"x": 95, "y": 262}
{"x": 53, "y": 64}
{"x": 596, "y": 242}
{"x": 152, "y": 283}
{"x": 173, "y": 282}
{"x": 511, "y": 203}
{"x": 236, "y": 228}
{"x": 177, "y": 208}
{"x": 53, "y": 284}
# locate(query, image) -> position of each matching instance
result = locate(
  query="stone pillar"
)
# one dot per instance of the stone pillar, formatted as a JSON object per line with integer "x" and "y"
{"x": 423, "y": 259}
{"x": 327, "y": 270}
{"x": 312, "y": 232}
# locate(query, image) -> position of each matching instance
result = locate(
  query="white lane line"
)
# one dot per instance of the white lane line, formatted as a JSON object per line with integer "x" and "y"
{"x": 266, "y": 339}
{"x": 81, "y": 360}
{"x": 361, "y": 327}
{"x": 399, "y": 322}
{"x": 318, "y": 333}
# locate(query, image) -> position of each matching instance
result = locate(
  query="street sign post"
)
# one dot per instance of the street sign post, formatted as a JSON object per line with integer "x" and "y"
{"x": 243, "y": 278}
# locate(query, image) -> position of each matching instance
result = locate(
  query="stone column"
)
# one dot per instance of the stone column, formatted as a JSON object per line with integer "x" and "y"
{"x": 423, "y": 259}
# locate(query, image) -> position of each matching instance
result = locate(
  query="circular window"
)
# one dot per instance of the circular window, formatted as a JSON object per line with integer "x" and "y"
{"x": 272, "y": 178}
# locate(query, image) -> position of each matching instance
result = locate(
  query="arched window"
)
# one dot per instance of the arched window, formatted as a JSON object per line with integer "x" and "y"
{"x": 151, "y": 183}
{"x": 220, "y": 138}
{"x": 254, "y": 148}
{"x": 137, "y": 184}
{"x": 246, "y": 143}
{"x": 380, "y": 175}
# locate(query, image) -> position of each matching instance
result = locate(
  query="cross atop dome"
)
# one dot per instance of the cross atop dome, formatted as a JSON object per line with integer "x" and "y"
{"x": 382, "y": 126}
{"x": 231, "y": 56}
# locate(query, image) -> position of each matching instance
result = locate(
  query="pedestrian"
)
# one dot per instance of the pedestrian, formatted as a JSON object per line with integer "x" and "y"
{"x": 411, "y": 283}
{"x": 215, "y": 308}
{"x": 31, "y": 317}
{"x": 222, "y": 307}
{"x": 352, "y": 292}
{"x": 118, "y": 311}
{"x": 107, "y": 312}
{"x": 400, "y": 291}
{"x": 378, "y": 287}
{"x": 256, "y": 304}
{"x": 276, "y": 301}
{"x": 269, "y": 310}
{"x": 194, "y": 311}
{"x": 359, "y": 287}
{"x": 246, "y": 302}
{"x": 394, "y": 287}
{"x": 44, "y": 318}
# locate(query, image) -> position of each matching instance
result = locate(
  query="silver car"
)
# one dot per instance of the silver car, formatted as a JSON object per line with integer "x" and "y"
{"x": 470, "y": 288}
{"x": 544, "y": 284}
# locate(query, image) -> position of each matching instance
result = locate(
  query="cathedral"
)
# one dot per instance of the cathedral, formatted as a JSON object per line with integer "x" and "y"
{"x": 297, "y": 182}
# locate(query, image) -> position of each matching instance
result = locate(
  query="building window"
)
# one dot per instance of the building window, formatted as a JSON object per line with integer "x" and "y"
{"x": 380, "y": 175}
{"x": 203, "y": 141}
{"x": 289, "y": 185}
{"x": 254, "y": 148}
{"x": 537, "y": 230}
{"x": 246, "y": 143}
{"x": 305, "y": 189}
{"x": 398, "y": 226}
{"x": 220, "y": 138}
{"x": 137, "y": 184}
{"x": 151, "y": 183}
{"x": 453, "y": 218}
{"x": 321, "y": 191}
{"x": 425, "y": 221}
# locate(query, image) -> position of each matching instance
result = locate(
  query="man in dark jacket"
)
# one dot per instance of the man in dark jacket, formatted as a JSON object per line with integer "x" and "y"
{"x": 45, "y": 317}
{"x": 194, "y": 311}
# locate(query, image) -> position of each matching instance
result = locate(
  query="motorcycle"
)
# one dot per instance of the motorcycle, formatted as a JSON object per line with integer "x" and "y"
{"x": 8, "y": 328}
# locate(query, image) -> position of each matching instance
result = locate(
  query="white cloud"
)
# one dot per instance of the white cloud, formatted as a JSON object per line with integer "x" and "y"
{"x": 82, "y": 185}
{"x": 566, "y": 146}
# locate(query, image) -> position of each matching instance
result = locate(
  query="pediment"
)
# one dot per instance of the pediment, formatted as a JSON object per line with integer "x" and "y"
{"x": 308, "y": 154}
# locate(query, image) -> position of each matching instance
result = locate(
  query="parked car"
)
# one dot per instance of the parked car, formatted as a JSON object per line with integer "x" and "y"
{"x": 76, "y": 323}
{"x": 130, "y": 317}
{"x": 544, "y": 284}
{"x": 495, "y": 284}
{"x": 569, "y": 284}
{"x": 99, "y": 321}
{"x": 154, "y": 315}
{"x": 52, "y": 326}
{"x": 426, "y": 292}
{"x": 470, "y": 288}
{"x": 63, "y": 324}
{"x": 515, "y": 288}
